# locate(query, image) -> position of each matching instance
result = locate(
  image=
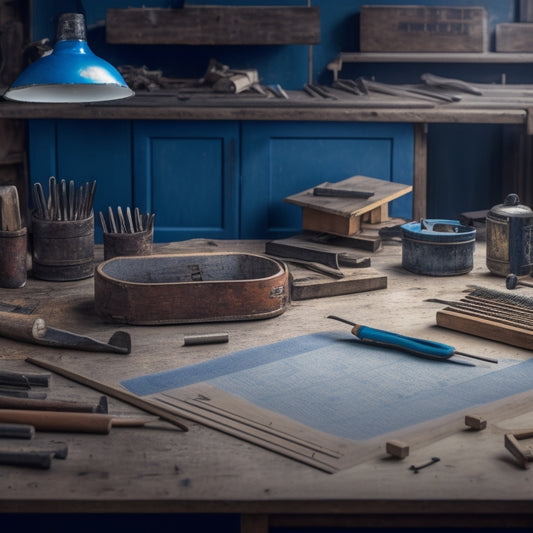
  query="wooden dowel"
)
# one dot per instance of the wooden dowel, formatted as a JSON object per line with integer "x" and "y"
{"x": 47, "y": 405}
{"x": 59, "y": 421}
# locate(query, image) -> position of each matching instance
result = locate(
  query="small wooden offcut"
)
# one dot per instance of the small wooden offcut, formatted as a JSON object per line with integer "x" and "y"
{"x": 343, "y": 216}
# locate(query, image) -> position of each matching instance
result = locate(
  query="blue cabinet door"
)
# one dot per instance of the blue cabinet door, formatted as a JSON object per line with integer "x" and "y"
{"x": 283, "y": 158}
{"x": 84, "y": 150}
{"x": 187, "y": 174}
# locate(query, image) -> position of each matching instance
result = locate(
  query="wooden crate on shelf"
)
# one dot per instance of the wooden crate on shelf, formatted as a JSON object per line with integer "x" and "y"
{"x": 214, "y": 25}
{"x": 514, "y": 37}
{"x": 423, "y": 29}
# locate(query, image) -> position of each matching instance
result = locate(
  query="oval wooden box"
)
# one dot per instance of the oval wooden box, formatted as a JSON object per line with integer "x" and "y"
{"x": 189, "y": 288}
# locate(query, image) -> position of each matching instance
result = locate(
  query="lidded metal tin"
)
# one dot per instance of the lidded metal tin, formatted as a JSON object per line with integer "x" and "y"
{"x": 509, "y": 238}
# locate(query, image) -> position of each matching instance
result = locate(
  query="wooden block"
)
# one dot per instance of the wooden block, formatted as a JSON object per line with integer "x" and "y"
{"x": 475, "y": 422}
{"x": 307, "y": 284}
{"x": 342, "y": 216}
{"x": 378, "y": 215}
{"x": 423, "y": 29}
{"x": 397, "y": 448}
{"x": 521, "y": 453}
{"x": 314, "y": 220}
{"x": 214, "y": 25}
{"x": 514, "y": 37}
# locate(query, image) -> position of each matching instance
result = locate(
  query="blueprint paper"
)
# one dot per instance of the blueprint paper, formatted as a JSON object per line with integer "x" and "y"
{"x": 333, "y": 383}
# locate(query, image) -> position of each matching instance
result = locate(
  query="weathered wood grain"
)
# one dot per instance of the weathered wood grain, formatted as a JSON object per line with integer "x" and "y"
{"x": 214, "y": 25}
{"x": 514, "y": 37}
{"x": 423, "y": 29}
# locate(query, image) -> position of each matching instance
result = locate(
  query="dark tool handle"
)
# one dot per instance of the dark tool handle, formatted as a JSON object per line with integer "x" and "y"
{"x": 206, "y": 338}
{"x": 14, "y": 380}
{"x": 17, "y": 431}
{"x": 23, "y": 380}
{"x": 58, "y": 449}
{"x": 341, "y": 193}
{"x": 19, "y": 393}
{"x": 31, "y": 459}
{"x": 46, "y": 405}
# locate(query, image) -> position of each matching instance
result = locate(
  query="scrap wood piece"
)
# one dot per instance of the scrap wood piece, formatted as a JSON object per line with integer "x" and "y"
{"x": 306, "y": 284}
{"x": 521, "y": 453}
{"x": 304, "y": 248}
{"x": 475, "y": 422}
{"x": 343, "y": 216}
{"x": 397, "y": 448}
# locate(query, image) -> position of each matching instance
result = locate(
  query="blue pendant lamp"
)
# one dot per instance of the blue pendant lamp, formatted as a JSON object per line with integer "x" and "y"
{"x": 71, "y": 73}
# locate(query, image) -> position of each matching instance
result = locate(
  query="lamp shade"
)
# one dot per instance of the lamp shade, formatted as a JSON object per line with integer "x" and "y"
{"x": 71, "y": 73}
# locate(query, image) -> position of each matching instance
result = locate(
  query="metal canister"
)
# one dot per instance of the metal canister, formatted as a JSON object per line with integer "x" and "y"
{"x": 509, "y": 238}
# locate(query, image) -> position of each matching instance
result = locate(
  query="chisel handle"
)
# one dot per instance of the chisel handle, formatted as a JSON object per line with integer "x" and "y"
{"x": 419, "y": 347}
{"x": 59, "y": 421}
{"x": 33, "y": 459}
{"x": 21, "y": 327}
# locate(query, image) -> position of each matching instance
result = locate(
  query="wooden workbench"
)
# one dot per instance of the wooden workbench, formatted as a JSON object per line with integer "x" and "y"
{"x": 160, "y": 469}
{"x": 500, "y": 104}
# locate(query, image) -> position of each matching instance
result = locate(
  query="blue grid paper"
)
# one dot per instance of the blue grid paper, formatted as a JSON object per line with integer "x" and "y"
{"x": 333, "y": 383}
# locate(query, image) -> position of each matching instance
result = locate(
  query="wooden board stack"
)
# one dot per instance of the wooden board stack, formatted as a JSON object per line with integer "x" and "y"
{"x": 491, "y": 314}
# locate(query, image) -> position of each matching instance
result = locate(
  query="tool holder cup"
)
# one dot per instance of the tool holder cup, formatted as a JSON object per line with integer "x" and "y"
{"x": 62, "y": 250}
{"x": 13, "y": 246}
{"x": 128, "y": 244}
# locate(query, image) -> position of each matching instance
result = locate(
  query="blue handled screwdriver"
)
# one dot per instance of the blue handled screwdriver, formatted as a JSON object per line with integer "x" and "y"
{"x": 419, "y": 347}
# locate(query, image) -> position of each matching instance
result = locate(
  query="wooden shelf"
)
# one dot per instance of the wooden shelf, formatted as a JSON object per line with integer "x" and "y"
{"x": 426, "y": 57}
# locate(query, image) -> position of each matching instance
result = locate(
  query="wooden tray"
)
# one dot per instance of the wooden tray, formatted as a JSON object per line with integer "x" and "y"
{"x": 190, "y": 288}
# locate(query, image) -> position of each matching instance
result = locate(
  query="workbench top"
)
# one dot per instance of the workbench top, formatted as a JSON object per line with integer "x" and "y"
{"x": 163, "y": 469}
{"x": 500, "y": 104}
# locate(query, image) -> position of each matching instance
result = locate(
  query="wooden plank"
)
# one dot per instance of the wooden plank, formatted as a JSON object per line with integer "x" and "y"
{"x": 307, "y": 284}
{"x": 514, "y": 37}
{"x": 428, "y": 57}
{"x": 343, "y": 216}
{"x": 335, "y": 251}
{"x": 423, "y": 29}
{"x": 214, "y": 25}
{"x": 384, "y": 192}
{"x": 487, "y": 329}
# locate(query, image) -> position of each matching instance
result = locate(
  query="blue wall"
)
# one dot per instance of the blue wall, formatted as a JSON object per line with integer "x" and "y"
{"x": 286, "y": 65}
{"x": 464, "y": 164}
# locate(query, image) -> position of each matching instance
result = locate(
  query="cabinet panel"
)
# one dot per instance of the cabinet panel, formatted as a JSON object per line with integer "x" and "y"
{"x": 186, "y": 173}
{"x": 84, "y": 151}
{"x": 283, "y": 158}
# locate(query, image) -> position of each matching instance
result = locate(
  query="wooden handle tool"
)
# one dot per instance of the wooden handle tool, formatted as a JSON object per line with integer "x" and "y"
{"x": 71, "y": 422}
{"x": 33, "y": 329}
{"x": 10, "y": 219}
{"x": 53, "y": 405}
{"x": 16, "y": 431}
{"x": 37, "y": 455}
